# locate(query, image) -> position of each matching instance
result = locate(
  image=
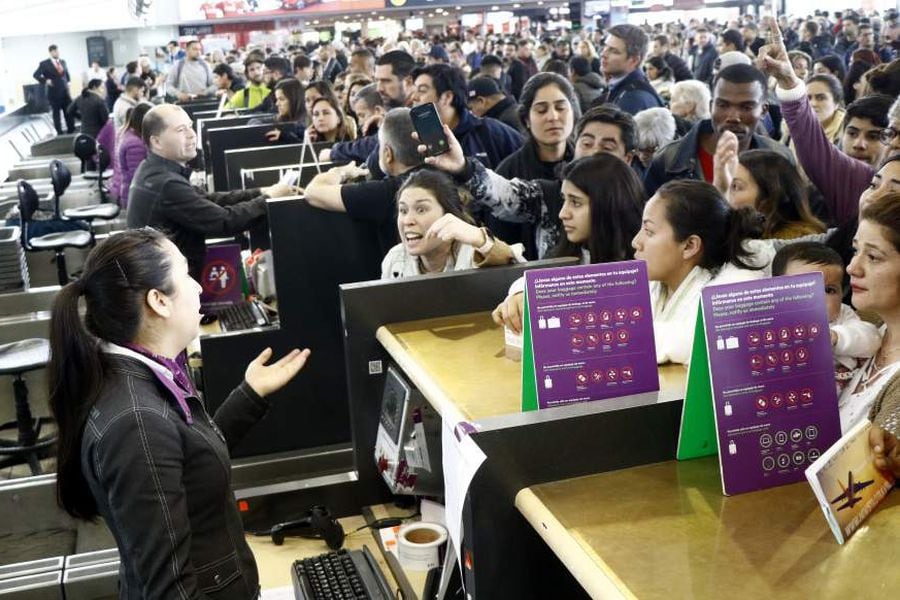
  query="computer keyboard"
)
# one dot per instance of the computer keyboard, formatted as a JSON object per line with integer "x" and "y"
{"x": 341, "y": 575}
{"x": 245, "y": 315}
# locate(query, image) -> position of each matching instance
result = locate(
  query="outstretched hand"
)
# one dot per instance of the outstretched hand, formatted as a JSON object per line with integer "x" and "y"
{"x": 886, "y": 449}
{"x": 266, "y": 379}
{"x": 773, "y": 58}
{"x": 453, "y": 161}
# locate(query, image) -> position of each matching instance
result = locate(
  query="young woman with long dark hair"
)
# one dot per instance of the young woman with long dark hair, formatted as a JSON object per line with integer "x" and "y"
{"x": 136, "y": 445}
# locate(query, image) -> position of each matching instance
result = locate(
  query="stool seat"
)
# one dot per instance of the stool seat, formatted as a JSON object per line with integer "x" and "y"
{"x": 63, "y": 239}
{"x": 97, "y": 174}
{"x": 24, "y": 355}
{"x": 94, "y": 211}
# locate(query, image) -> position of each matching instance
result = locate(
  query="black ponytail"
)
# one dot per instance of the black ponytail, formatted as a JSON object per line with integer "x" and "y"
{"x": 117, "y": 275}
{"x": 697, "y": 208}
{"x": 743, "y": 224}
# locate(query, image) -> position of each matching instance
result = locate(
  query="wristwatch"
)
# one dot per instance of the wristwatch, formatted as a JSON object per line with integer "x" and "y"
{"x": 488, "y": 245}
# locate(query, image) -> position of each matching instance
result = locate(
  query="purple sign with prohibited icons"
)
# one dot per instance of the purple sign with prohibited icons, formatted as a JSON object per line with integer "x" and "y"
{"x": 592, "y": 332}
{"x": 772, "y": 376}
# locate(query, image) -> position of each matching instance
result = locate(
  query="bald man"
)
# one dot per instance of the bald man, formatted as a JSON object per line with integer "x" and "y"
{"x": 162, "y": 196}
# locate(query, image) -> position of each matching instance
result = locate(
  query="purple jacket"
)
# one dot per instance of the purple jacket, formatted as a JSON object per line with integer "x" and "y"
{"x": 840, "y": 178}
{"x": 106, "y": 137}
{"x": 129, "y": 154}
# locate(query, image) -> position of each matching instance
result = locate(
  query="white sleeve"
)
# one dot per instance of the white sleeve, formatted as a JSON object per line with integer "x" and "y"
{"x": 855, "y": 338}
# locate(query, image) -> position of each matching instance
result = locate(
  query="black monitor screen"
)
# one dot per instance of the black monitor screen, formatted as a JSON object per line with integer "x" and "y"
{"x": 393, "y": 403}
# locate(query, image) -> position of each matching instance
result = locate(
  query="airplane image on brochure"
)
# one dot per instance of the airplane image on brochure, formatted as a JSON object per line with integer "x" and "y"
{"x": 849, "y": 492}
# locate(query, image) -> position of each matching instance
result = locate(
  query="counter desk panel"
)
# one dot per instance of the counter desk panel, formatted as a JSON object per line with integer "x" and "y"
{"x": 459, "y": 364}
{"x": 666, "y": 531}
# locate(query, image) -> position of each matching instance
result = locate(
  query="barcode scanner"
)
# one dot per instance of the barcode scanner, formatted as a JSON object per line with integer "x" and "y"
{"x": 318, "y": 524}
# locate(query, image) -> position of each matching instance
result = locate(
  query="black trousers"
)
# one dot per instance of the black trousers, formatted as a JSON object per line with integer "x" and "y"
{"x": 57, "y": 106}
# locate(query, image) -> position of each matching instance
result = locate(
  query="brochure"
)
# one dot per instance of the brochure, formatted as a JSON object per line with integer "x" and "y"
{"x": 846, "y": 482}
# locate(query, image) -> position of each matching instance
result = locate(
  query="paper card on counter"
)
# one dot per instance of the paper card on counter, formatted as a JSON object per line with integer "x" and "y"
{"x": 590, "y": 334}
{"x": 279, "y": 593}
{"x": 846, "y": 482}
{"x": 772, "y": 377}
{"x": 389, "y": 536}
{"x": 461, "y": 460}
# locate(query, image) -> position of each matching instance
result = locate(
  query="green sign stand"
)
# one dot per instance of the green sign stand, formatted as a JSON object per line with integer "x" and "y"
{"x": 529, "y": 383}
{"x": 698, "y": 425}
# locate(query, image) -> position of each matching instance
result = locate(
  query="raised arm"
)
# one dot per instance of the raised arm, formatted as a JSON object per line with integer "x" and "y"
{"x": 840, "y": 178}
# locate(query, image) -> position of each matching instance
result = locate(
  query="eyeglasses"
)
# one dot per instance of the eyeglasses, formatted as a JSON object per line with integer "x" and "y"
{"x": 887, "y": 135}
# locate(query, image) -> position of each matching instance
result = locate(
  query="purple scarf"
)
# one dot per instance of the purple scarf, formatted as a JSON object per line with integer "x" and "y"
{"x": 183, "y": 387}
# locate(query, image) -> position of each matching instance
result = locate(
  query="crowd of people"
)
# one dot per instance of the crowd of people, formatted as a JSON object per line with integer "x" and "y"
{"x": 714, "y": 152}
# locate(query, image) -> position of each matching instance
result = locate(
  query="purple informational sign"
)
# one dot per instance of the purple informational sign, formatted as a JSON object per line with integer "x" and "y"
{"x": 591, "y": 332}
{"x": 772, "y": 374}
{"x": 220, "y": 279}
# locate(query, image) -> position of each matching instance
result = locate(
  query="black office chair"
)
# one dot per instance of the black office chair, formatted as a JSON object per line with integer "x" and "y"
{"x": 16, "y": 359}
{"x": 95, "y": 162}
{"x": 56, "y": 242}
{"x": 85, "y": 149}
{"x": 61, "y": 177}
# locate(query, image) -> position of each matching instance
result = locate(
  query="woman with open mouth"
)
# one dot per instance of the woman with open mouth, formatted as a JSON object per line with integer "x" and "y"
{"x": 436, "y": 233}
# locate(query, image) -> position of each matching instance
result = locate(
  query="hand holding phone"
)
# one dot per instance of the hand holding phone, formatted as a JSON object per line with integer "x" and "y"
{"x": 427, "y": 123}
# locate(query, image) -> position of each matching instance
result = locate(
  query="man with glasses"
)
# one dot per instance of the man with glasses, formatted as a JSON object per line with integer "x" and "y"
{"x": 620, "y": 62}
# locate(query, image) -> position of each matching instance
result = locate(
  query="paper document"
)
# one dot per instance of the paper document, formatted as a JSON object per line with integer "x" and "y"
{"x": 280, "y": 593}
{"x": 461, "y": 460}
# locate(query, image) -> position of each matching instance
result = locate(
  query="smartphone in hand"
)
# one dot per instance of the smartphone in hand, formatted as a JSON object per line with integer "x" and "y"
{"x": 427, "y": 123}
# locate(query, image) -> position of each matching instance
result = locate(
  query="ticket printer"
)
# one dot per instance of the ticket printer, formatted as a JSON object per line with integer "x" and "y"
{"x": 408, "y": 445}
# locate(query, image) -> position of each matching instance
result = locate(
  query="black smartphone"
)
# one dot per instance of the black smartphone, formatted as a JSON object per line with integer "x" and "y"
{"x": 428, "y": 125}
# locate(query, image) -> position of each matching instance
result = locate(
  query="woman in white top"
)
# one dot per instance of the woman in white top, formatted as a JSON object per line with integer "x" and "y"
{"x": 600, "y": 212}
{"x": 690, "y": 238}
{"x": 875, "y": 282}
{"x": 436, "y": 233}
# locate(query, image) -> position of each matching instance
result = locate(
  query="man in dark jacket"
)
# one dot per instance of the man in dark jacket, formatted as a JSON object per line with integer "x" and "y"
{"x": 522, "y": 68}
{"x": 588, "y": 85}
{"x": 487, "y": 100}
{"x": 621, "y": 60}
{"x": 705, "y": 56}
{"x": 492, "y": 66}
{"x": 161, "y": 194}
{"x": 487, "y": 139}
{"x": 679, "y": 68}
{"x": 739, "y": 102}
{"x": 54, "y": 73}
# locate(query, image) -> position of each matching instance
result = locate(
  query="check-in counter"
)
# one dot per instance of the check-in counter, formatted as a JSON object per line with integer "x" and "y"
{"x": 667, "y": 531}
{"x": 438, "y": 331}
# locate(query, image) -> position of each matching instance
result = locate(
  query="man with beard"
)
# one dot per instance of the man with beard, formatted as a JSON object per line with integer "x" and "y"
{"x": 393, "y": 78}
{"x": 738, "y": 104}
{"x": 275, "y": 68}
{"x": 256, "y": 90}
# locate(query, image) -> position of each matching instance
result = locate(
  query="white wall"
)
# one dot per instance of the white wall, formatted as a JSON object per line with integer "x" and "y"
{"x": 37, "y": 17}
{"x": 19, "y": 56}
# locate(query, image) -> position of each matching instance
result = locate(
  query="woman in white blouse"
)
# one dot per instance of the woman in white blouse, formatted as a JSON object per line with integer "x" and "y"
{"x": 690, "y": 238}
